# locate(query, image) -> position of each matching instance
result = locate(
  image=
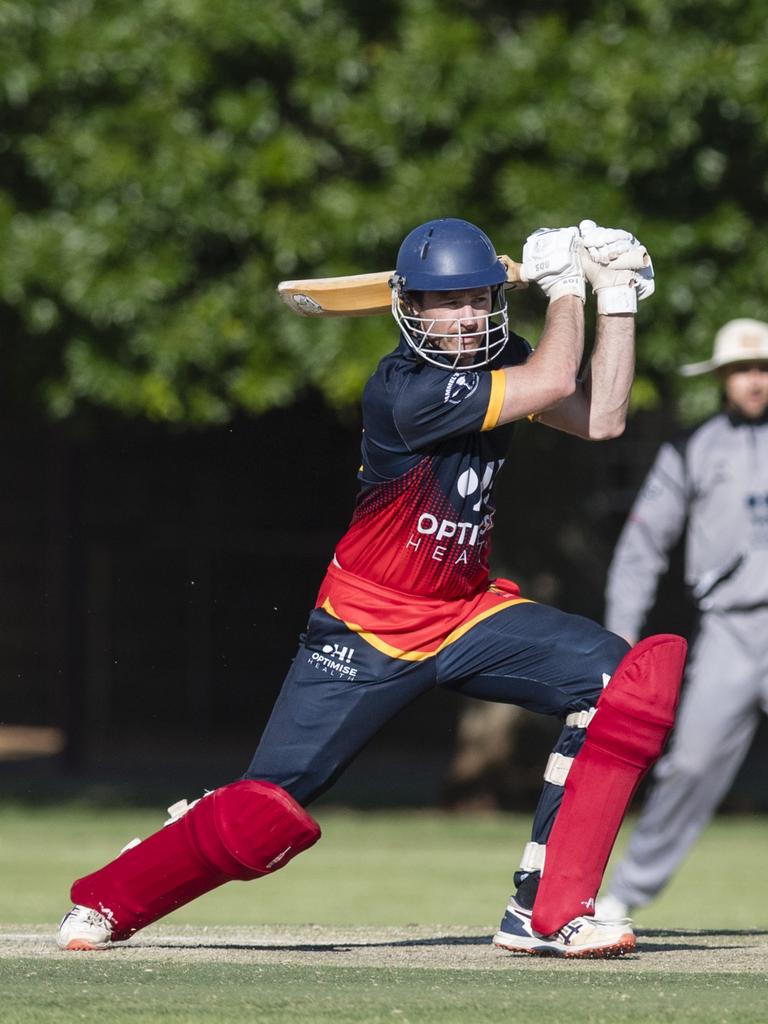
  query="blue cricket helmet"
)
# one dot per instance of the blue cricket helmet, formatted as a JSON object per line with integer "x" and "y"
{"x": 447, "y": 255}
{"x": 442, "y": 256}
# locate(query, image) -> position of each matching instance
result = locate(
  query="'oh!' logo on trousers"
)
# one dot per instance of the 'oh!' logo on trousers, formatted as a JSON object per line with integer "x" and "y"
{"x": 338, "y": 652}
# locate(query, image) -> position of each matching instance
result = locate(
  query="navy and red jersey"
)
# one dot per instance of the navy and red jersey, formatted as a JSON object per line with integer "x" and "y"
{"x": 419, "y": 541}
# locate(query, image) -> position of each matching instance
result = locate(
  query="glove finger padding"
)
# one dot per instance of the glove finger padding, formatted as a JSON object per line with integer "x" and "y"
{"x": 634, "y": 258}
{"x": 604, "y": 245}
{"x": 551, "y": 259}
{"x": 617, "y": 266}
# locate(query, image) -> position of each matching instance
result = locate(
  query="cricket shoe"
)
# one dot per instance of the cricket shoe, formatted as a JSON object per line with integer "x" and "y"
{"x": 84, "y": 929}
{"x": 582, "y": 937}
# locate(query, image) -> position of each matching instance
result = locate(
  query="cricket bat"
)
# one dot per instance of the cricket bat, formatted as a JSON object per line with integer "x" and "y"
{"x": 358, "y": 294}
{"x": 370, "y": 294}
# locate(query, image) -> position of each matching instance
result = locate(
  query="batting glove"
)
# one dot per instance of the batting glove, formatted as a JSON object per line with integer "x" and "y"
{"x": 604, "y": 244}
{"x": 617, "y": 266}
{"x": 551, "y": 259}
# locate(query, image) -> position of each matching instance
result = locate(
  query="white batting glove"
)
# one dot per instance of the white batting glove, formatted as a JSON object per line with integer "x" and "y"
{"x": 604, "y": 244}
{"x": 617, "y": 266}
{"x": 551, "y": 259}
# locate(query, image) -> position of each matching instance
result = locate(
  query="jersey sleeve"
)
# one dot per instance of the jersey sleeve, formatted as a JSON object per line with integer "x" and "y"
{"x": 434, "y": 405}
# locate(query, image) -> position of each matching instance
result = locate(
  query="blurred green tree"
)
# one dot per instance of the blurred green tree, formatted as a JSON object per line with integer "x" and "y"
{"x": 165, "y": 162}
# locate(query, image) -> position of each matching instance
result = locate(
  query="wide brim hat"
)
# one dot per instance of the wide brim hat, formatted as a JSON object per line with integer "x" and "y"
{"x": 738, "y": 341}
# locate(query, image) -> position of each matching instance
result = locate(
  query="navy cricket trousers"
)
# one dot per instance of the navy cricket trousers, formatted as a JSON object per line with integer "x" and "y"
{"x": 340, "y": 691}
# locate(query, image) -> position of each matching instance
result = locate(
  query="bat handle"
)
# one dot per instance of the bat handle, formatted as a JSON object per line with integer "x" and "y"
{"x": 515, "y": 276}
{"x": 636, "y": 258}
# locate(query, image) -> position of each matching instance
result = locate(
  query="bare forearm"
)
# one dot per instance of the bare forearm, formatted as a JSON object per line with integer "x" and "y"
{"x": 598, "y": 408}
{"x": 549, "y": 376}
{"x": 562, "y": 340}
{"x": 609, "y": 376}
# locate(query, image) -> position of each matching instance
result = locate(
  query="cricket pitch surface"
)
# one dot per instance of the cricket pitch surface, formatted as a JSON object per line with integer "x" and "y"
{"x": 450, "y": 947}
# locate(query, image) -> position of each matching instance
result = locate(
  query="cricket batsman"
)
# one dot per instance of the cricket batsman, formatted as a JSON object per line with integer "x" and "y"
{"x": 407, "y": 604}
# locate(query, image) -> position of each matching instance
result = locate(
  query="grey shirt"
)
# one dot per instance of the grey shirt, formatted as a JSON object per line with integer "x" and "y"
{"x": 712, "y": 482}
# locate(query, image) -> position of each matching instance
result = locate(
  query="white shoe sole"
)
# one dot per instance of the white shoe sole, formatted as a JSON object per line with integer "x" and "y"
{"x": 546, "y": 947}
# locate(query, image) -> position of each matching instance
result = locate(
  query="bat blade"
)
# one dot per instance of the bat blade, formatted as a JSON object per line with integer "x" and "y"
{"x": 357, "y": 294}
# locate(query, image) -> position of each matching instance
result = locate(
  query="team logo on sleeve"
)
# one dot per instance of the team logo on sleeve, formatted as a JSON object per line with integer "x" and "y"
{"x": 460, "y": 386}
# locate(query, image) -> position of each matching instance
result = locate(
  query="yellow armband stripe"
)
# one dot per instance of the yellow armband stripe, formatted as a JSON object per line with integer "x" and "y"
{"x": 496, "y": 400}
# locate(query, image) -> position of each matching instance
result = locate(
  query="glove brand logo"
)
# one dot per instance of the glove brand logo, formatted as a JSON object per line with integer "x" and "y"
{"x": 460, "y": 386}
{"x": 588, "y": 904}
{"x": 334, "y": 658}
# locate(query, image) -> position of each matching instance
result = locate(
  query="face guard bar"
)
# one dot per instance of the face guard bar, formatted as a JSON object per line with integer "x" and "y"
{"x": 469, "y": 349}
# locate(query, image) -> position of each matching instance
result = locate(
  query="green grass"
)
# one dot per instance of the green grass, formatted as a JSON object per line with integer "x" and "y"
{"x": 378, "y": 869}
{"x": 199, "y": 994}
{"x": 372, "y": 868}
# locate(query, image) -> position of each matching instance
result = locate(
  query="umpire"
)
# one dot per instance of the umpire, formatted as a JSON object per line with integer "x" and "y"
{"x": 712, "y": 482}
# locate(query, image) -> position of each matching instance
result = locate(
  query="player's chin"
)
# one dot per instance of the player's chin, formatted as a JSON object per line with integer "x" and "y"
{"x": 451, "y": 351}
{"x": 469, "y": 355}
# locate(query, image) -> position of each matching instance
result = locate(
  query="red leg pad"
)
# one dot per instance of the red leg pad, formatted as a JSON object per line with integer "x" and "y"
{"x": 240, "y": 831}
{"x": 634, "y": 716}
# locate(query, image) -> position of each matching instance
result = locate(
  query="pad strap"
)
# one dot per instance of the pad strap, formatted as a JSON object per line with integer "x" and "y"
{"x": 534, "y": 855}
{"x": 558, "y": 766}
{"x": 580, "y": 719}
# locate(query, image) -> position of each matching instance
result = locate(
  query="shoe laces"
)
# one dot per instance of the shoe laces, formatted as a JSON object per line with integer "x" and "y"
{"x": 91, "y": 917}
{"x": 568, "y": 932}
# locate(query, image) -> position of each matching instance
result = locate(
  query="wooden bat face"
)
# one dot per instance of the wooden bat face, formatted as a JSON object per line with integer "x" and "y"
{"x": 371, "y": 295}
{"x": 357, "y": 294}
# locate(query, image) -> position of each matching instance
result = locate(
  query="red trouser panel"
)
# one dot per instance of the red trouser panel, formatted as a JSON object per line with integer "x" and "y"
{"x": 239, "y": 831}
{"x": 634, "y": 716}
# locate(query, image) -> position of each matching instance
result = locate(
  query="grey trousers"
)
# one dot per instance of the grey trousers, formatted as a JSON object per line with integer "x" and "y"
{"x": 726, "y": 687}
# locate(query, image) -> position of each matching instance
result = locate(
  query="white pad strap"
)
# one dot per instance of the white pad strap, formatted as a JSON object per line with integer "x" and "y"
{"x": 558, "y": 766}
{"x": 175, "y": 811}
{"x": 580, "y": 719}
{"x": 533, "y": 857}
{"x": 180, "y": 808}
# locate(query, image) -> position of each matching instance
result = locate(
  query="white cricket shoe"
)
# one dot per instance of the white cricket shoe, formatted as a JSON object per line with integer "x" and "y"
{"x": 582, "y": 937}
{"x": 84, "y": 929}
{"x": 611, "y": 908}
